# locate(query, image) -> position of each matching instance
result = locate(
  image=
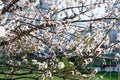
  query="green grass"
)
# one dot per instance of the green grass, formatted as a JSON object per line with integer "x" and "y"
{"x": 109, "y": 76}
{"x": 106, "y": 76}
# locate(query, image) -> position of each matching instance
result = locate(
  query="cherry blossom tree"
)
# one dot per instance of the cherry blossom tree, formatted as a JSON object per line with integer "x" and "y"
{"x": 66, "y": 29}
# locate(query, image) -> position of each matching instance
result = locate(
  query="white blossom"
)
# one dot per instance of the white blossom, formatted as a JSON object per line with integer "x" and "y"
{"x": 52, "y": 64}
{"x": 116, "y": 59}
{"x": 72, "y": 72}
{"x": 49, "y": 75}
{"x": 25, "y": 61}
{"x": 71, "y": 63}
{"x": 42, "y": 66}
{"x": 78, "y": 73}
{"x": 61, "y": 65}
{"x": 57, "y": 32}
{"x": 43, "y": 77}
{"x": 18, "y": 63}
{"x": 101, "y": 76}
{"x": 118, "y": 37}
{"x": 36, "y": 3}
{"x": 92, "y": 75}
{"x": 34, "y": 61}
{"x": 45, "y": 65}
{"x": 10, "y": 62}
{"x": 95, "y": 71}
{"x": 89, "y": 60}
{"x": 2, "y": 32}
{"x": 85, "y": 62}
{"x": 97, "y": 78}
{"x": 1, "y": 5}
{"x": 84, "y": 75}
{"x": 117, "y": 55}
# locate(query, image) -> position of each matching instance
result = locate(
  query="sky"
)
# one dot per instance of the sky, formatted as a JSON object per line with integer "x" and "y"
{"x": 99, "y": 12}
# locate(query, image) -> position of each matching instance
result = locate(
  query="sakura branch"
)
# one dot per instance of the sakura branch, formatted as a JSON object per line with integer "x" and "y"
{"x": 42, "y": 39}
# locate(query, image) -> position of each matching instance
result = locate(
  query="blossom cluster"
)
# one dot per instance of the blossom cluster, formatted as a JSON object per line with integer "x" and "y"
{"x": 74, "y": 29}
